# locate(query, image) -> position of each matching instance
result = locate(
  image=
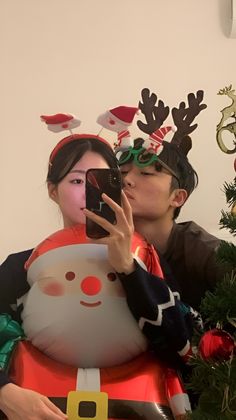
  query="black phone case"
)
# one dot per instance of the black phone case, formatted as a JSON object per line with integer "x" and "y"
{"x": 100, "y": 181}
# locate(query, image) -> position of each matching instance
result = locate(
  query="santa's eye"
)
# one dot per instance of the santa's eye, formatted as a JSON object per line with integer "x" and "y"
{"x": 70, "y": 275}
{"x": 111, "y": 276}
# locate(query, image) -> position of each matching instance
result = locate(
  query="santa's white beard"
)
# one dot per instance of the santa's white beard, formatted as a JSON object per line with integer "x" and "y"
{"x": 100, "y": 336}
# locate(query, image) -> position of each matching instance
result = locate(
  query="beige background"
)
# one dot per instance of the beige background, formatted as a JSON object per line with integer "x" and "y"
{"x": 86, "y": 56}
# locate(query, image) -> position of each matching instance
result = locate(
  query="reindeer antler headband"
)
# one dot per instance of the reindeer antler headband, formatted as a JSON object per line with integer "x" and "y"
{"x": 183, "y": 116}
{"x": 155, "y": 115}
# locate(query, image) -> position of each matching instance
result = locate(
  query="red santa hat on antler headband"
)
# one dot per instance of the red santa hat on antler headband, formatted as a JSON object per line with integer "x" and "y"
{"x": 154, "y": 142}
{"x": 119, "y": 119}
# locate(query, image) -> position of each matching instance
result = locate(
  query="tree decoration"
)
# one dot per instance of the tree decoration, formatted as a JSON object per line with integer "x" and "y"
{"x": 213, "y": 378}
{"x": 216, "y": 344}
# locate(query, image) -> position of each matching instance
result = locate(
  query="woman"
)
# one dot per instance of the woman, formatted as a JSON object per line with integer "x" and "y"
{"x": 68, "y": 163}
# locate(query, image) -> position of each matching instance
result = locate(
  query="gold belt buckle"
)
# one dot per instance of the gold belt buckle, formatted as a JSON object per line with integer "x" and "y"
{"x": 87, "y": 405}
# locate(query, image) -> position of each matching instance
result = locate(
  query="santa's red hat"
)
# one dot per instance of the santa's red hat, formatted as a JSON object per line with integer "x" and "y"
{"x": 118, "y": 119}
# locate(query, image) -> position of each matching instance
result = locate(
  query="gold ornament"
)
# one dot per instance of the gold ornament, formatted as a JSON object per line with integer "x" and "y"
{"x": 233, "y": 210}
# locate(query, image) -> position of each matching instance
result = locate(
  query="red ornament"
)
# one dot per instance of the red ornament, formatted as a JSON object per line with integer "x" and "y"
{"x": 216, "y": 345}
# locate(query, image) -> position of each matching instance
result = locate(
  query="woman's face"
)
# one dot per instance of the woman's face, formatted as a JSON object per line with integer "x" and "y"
{"x": 69, "y": 194}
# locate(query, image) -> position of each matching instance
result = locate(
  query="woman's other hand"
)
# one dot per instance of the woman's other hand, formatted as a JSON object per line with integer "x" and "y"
{"x": 23, "y": 404}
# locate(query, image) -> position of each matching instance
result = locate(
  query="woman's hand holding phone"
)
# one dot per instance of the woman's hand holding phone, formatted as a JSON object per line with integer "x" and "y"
{"x": 120, "y": 234}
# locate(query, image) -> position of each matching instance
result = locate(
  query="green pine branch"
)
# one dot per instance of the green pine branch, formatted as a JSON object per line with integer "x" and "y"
{"x": 226, "y": 255}
{"x": 216, "y": 384}
{"x": 230, "y": 192}
{"x": 228, "y": 221}
{"x": 219, "y": 307}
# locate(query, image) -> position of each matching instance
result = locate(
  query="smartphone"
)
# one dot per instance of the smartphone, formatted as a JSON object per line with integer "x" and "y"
{"x": 99, "y": 181}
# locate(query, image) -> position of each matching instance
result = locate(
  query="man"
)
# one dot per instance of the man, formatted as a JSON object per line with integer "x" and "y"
{"x": 158, "y": 180}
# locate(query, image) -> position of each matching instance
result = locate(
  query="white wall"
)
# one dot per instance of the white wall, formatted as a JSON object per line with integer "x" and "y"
{"x": 87, "y": 56}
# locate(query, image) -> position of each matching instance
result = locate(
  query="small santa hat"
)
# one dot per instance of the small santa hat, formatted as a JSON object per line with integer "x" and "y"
{"x": 60, "y": 122}
{"x": 154, "y": 143}
{"x": 158, "y": 135}
{"x": 118, "y": 119}
{"x": 124, "y": 114}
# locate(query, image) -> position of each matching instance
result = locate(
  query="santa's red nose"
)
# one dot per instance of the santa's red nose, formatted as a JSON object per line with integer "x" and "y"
{"x": 91, "y": 285}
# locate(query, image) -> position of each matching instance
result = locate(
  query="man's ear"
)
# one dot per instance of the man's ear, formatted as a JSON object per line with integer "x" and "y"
{"x": 179, "y": 197}
{"x": 52, "y": 191}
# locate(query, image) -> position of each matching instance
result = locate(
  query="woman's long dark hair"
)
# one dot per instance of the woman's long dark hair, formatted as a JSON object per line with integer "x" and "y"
{"x": 69, "y": 154}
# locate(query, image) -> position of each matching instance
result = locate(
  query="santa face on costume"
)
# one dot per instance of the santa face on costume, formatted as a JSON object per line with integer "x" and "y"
{"x": 76, "y": 310}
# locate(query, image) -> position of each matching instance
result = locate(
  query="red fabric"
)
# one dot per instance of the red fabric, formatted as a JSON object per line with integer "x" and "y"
{"x": 173, "y": 384}
{"x": 143, "y": 379}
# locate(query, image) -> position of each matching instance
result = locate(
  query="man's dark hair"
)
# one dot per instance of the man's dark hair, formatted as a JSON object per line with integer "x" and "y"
{"x": 179, "y": 163}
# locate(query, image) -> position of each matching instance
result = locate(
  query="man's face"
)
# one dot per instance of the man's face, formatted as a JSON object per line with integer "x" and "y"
{"x": 148, "y": 191}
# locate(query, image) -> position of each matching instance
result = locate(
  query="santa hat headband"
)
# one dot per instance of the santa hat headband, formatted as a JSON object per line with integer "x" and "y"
{"x": 72, "y": 138}
{"x": 61, "y": 122}
{"x": 119, "y": 119}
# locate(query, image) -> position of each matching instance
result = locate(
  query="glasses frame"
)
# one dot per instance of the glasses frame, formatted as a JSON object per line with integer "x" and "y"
{"x": 154, "y": 158}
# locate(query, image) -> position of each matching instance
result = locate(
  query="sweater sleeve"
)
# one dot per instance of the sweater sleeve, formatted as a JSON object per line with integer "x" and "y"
{"x": 13, "y": 281}
{"x": 4, "y": 379}
{"x": 159, "y": 312}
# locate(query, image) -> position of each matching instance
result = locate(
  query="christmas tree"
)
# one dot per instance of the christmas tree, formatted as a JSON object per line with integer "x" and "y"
{"x": 213, "y": 376}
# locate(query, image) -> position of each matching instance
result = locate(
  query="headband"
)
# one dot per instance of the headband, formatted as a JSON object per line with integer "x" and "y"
{"x": 119, "y": 120}
{"x": 61, "y": 122}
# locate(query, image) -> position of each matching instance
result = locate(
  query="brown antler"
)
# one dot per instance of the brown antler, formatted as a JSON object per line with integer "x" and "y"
{"x": 183, "y": 117}
{"x": 155, "y": 115}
